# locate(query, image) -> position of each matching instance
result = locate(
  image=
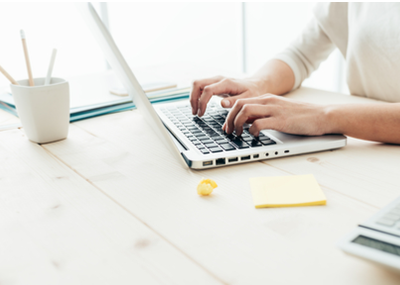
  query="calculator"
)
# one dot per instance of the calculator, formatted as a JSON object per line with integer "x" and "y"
{"x": 378, "y": 238}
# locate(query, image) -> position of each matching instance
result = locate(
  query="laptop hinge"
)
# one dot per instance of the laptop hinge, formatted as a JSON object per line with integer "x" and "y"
{"x": 188, "y": 161}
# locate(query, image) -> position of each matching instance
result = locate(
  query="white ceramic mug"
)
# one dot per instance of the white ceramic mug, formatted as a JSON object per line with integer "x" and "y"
{"x": 43, "y": 110}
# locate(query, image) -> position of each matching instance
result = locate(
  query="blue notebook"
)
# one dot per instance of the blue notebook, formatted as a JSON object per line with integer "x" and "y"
{"x": 85, "y": 112}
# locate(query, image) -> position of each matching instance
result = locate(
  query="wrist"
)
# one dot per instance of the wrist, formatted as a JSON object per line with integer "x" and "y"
{"x": 262, "y": 85}
{"x": 332, "y": 120}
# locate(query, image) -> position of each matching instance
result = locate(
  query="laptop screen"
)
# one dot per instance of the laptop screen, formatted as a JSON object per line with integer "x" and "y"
{"x": 125, "y": 74}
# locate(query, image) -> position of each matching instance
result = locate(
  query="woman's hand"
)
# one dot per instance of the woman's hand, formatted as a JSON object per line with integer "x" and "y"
{"x": 203, "y": 90}
{"x": 277, "y": 113}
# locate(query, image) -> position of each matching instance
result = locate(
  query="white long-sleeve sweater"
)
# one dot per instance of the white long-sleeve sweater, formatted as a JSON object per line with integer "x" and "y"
{"x": 367, "y": 35}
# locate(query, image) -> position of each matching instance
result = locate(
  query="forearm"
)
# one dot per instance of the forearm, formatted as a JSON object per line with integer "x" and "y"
{"x": 274, "y": 77}
{"x": 375, "y": 122}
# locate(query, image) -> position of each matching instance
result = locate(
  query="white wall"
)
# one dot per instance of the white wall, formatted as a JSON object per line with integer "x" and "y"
{"x": 205, "y": 34}
{"x": 270, "y": 27}
{"x": 47, "y": 26}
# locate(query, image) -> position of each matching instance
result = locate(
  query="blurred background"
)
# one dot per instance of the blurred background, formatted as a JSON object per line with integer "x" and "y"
{"x": 236, "y": 37}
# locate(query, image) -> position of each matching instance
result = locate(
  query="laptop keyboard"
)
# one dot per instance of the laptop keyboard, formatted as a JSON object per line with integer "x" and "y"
{"x": 206, "y": 133}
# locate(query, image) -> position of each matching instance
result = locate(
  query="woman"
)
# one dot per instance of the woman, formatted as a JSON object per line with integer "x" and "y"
{"x": 367, "y": 35}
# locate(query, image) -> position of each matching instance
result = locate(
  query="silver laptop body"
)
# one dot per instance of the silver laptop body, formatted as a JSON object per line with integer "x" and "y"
{"x": 174, "y": 124}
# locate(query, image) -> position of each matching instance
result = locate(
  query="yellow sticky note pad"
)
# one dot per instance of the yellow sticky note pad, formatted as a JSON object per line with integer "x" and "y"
{"x": 286, "y": 191}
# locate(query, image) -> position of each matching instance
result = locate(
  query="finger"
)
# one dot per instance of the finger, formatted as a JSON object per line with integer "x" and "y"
{"x": 197, "y": 89}
{"x": 236, "y": 109}
{"x": 250, "y": 111}
{"x": 231, "y": 100}
{"x": 251, "y": 120}
{"x": 269, "y": 123}
{"x": 225, "y": 86}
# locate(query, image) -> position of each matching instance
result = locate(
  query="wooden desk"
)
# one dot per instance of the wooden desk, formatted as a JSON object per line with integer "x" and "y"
{"x": 110, "y": 205}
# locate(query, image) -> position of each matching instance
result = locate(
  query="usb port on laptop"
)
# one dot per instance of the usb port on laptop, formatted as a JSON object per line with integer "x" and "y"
{"x": 245, "y": 157}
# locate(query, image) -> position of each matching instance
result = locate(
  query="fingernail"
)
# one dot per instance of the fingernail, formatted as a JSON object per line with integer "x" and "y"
{"x": 226, "y": 103}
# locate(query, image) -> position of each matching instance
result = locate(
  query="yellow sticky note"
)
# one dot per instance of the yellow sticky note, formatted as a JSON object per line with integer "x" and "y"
{"x": 286, "y": 191}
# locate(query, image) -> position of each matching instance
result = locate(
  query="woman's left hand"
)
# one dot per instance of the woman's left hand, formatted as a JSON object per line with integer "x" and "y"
{"x": 277, "y": 113}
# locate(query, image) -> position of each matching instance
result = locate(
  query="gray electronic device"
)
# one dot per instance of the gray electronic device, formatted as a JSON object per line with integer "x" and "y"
{"x": 377, "y": 239}
{"x": 199, "y": 142}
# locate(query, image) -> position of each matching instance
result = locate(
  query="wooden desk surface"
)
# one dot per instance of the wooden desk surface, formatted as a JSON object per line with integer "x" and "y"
{"x": 110, "y": 205}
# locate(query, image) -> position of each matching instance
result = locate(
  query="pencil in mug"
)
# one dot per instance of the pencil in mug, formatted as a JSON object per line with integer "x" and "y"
{"x": 51, "y": 65}
{"x": 8, "y": 76}
{"x": 28, "y": 64}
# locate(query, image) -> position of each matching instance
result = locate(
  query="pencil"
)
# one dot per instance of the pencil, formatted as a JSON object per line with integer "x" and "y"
{"x": 50, "y": 70}
{"x": 9, "y": 77}
{"x": 28, "y": 64}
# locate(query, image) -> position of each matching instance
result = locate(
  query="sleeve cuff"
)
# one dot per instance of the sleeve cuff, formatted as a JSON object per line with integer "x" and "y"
{"x": 293, "y": 65}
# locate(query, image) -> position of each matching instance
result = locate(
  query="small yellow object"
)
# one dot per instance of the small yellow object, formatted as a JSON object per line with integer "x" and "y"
{"x": 206, "y": 186}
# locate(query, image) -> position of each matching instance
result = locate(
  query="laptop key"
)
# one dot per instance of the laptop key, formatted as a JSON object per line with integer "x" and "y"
{"x": 202, "y": 137}
{"x": 215, "y": 149}
{"x": 254, "y": 143}
{"x": 210, "y": 145}
{"x": 239, "y": 143}
{"x": 204, "y": 151}
{"x": 222, "y": 140}
{"x": 248, "y": 139}
{"x": 216, "y": 137}
{"x": 267, "y": 142}
{"x": 227, "y": 146}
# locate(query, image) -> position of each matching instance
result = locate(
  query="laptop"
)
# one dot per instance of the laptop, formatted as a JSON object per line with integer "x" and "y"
{"x": 377, "y": 239}
{"x": 199, "y": 142}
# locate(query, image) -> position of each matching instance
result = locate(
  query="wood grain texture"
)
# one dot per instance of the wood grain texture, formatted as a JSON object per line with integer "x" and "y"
{"x": 6, "y": 119}
{"x": 224, "y": 232}
{"x": 57, "y": 228}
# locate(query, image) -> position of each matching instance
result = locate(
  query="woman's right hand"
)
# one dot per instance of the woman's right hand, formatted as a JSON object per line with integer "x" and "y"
{"x": 203, "y": 90}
